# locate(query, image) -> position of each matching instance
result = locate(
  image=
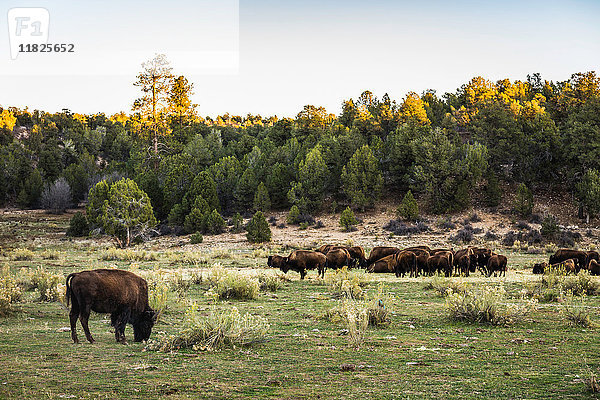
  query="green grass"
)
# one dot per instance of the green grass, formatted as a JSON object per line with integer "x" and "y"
{"x": 421, "y": 354}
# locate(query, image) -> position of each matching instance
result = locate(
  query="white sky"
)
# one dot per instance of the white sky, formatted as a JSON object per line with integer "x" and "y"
{"x": 273, "y": 57}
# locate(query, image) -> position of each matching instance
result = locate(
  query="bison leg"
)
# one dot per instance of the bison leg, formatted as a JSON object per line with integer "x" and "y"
{"x": 302, "y": 273}
{"x": 119, "y": 321}
{"x": 73, "y": 315}
{"x": 84, "y": 316}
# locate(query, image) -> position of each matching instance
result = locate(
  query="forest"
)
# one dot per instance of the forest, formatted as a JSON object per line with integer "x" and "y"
{"x": 451, "y": 151}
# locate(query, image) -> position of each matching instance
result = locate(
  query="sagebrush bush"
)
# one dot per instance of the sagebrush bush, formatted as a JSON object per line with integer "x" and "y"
{"x": 232, "y": 284}
{"x": 221, "y": 328}
{"x": 180, "y": 284}
{"x": 555, "y": 284}
{"x": 158, "y": 294}
{"x": 487, "y": 305}
{"x": 270, "y": 282}
{"x": 51, "y": 254}
{"x": 445, "y": 286}
{"x": 114, "y": 254}
{"x": 576, "y": 314}
{"x": 50, "y": 286}
{"x": 346, "y": 283}
{"x": 21, "y": 254}
{"x": 10, "y": 292}
{"x": 194, "y": 258}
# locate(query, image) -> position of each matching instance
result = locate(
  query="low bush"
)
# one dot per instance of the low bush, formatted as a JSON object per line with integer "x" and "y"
{"x": 447, "y": 224}
{"x": 293, "y": 217}
{"x": 319, "y": 225}
{"x": 347, "y": 284}
{"x": 491, "y": 235}
{"x": 56, "y": 198}
{"x": 487, "y": 305}
{"x": 50, "y": 286}
{"x": 576, "y": 314}
{"x": 10, "y": 292}
{"x": 196, "y": 238}
{"x": 474, "y": 217}
{"x": 269, "y": 282}
{"x": 21, "y": 254}
{"x": 114, "y": 254}
{"x": 232, "y": 284}
{"x": 523, "y": 225}
{"x": 221, "y": 328}
{"x": 194, "y": 258}
{"x": 402, "y": 229}
{"x": 445, "y": 286}
{"x": 158, "y": 295}
{"x": 78, "y": 225}
{"x": 237, "y": 223}
{"x": 463, "y": 236}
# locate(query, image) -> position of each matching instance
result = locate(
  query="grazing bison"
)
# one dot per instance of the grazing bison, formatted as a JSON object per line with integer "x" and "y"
{"x": 483, "y": 255}
{"x": 569, "y": 266}
{"x": 302, "y": 260}
{"x": 122, "y": 294}
{"x": 463, "y": 259}
{"x": 594, "y": 267}
{"x": 561, "y": 255}
{"x": 336, "y": 259}
{"x": 383, "y": 265}
{"x": 540, "y": 268}
{"x": 591, "y": 255}
{"x": 497, "y": 264}
{"x": 276, "y": 261}
{"x": 406, "y": 262}
{"x": 379, "y": 252}
{"x": 441, "y": 262}
{"x": 357, "y": 254}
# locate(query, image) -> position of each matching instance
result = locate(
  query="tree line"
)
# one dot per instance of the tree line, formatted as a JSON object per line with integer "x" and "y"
{"x": 451, "y": 151}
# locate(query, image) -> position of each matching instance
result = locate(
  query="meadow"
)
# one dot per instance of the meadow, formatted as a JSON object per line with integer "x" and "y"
{"x": 419, "y": 352}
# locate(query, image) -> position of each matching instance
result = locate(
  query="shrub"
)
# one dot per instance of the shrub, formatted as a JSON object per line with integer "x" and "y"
{"x": 408, "y": 209}
{"x": 487, "y": 305}
{"x": 10, "y": 292}
{"x": 258, "y": 229}
{"x": 293, "y": 215}
{"x": 215, "y": 224}
{"x": 233, "y": 284}
{"x": 114, "y": 254}
{"x": 221, "y": 328}
{"x": 195, "y": 221}
{"x": 56, "y": 198}
{"x": 196, "y": 238}
{"x": 356, "y": 319}
{"x": 237, "y": 223}
{"x": 21, "y": 254}
{"x": 509, "y": 239}
{"x": 490, "y": 235}
{"x": 523, "y": 225}
{"x": 319, "y": 225}
{"x": 303, "y": 226}
{"x": 78, "y": 225}
{"x": 379, "y": 306}
{"x": 474, "y": 217}
{"x": 346, "y": 283}
{"x": 347, "y": 219}
{"x": 445, "y": 286}
{"x": 523, "y": 205}
{"x": 577, "y": 314}
{"x": 50, "y": 286}
{"x": 447, "y": 224}
{"x": 463, "y": 235}
{"x": 549, "y": 226}
{"x": 402, "y": 229}
{"x": 158, "y": 294}
{"x": 269, "y": 282}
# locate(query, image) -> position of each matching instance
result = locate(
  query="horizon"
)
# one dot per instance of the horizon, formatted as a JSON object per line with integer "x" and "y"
{"x": 272, "y": 59}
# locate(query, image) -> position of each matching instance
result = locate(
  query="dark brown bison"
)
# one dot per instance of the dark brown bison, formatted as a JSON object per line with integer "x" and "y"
{"x": 591, "y": 255}
{"x": 483, "y": 255}
{"x": 325, "y": 248}
{"x": 441, "y": 262}
{"x": 540, "y": 268}
{"x": 120, "y": 293}
{"x": 565, "y": 254}
{"x": 383, "y": 265}
{"x": 337, "y": 258}
{"x": 303, "y": 260}
{"x": 422, "y": 256}
{"x": 379, "y": 252}
{"x": 463, "y": 259}
{"x": 433, "y": 252}
{"x": 569, "y": 266}
{"x": 357, "y": 253}
{"x": 594, "y": 267}
{"x": 406, "y": 262}
{"x": 276, "y": 261}
{"x": 497, "y": 264}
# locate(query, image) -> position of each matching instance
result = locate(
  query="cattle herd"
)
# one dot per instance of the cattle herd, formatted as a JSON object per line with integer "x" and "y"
{"x": 571, "y": 261}
{"x": 411, "y": 261}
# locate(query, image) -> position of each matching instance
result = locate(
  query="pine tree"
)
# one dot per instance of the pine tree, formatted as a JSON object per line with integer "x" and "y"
{"x": 362, "y": 178}
{"x": 262, "y": 201}
{"x": 258, "y": 229}
{"x": 408, "y": 209}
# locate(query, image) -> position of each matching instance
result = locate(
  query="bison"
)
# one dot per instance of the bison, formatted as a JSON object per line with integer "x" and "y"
{"x": 406, "y": 262}
{"x": 483, "y": 255}
{"x": 325, "y": 248}
{"x": 441, "y": 262}
{"x": 302, "y": 260}
{"x": 540, "y": 268}
{"x": 561, "y": 255}
{"x": 497, "y": 264}
{"x": 337, "y": 258}
{"x": 378, "y": 253}
{"x": 594, "y": 267}
{"x": 357, "y": 253}
{"x": 463, "y": 260}
{"x": 385, "y": 264}
{"x": 121, "y": 293}
{"x": 591, "y": 255}
{"x": 569, "y": 266}
{"x": 276, "y": 261}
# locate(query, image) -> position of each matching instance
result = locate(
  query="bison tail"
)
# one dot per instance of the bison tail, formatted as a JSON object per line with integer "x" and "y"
{"x": 68, "y": 295}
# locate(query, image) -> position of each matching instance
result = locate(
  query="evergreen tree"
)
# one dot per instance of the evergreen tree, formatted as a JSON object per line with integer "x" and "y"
{"x": 348, "y": 220}
{"x": 408, "y": 209}
{"x": 362, "y": 178}
{"x": 523, "y": 201}
{"x": 262, "y": 201}
{"x": 258, "y": 229}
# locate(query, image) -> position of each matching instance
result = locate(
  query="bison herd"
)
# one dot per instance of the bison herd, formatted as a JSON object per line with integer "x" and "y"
{"x": 571, "y": 261}
{"x": 411, "y": 261}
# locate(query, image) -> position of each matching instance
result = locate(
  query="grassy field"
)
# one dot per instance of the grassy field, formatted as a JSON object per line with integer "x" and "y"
{"x": 420, "y": 354}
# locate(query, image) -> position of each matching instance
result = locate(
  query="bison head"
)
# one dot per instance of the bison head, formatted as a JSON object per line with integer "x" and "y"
{"x": 142, "y": 328}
